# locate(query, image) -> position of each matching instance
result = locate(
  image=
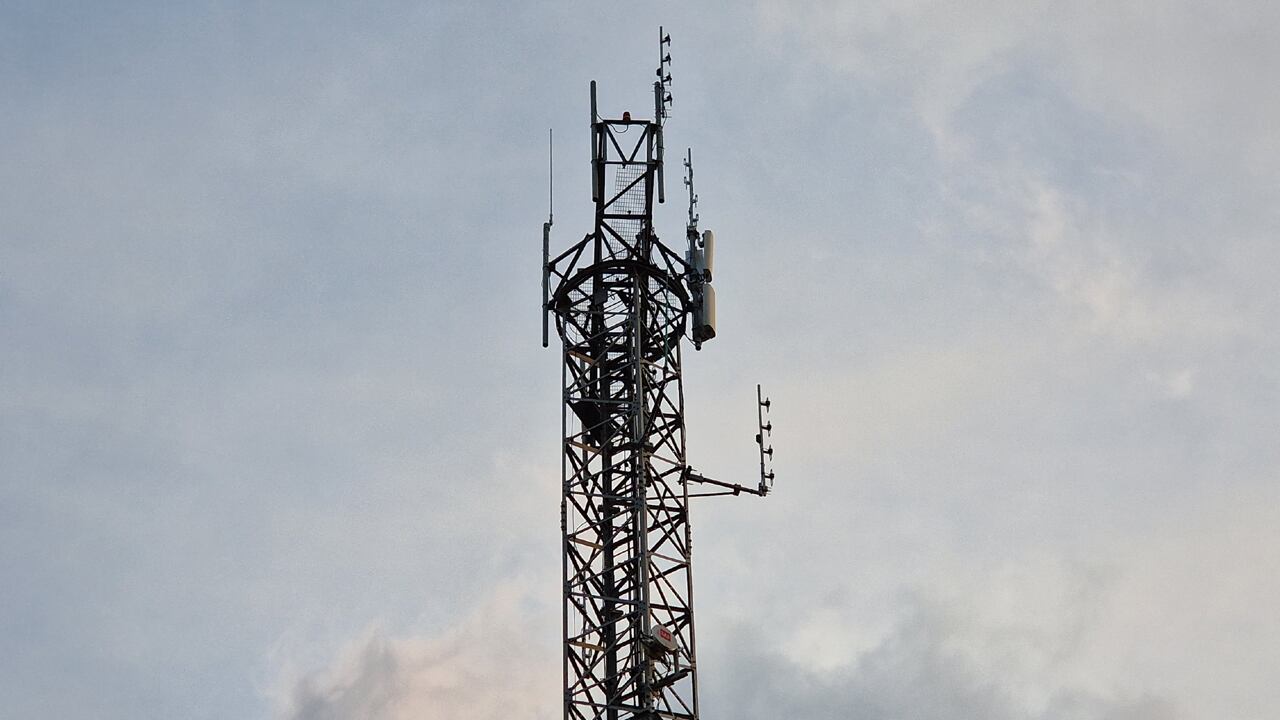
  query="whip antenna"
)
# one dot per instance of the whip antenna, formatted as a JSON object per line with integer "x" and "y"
{"x": 546, "y": 233}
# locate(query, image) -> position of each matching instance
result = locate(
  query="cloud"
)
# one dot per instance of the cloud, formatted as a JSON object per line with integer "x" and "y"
{"x": 268, "y": 294}
{"x": 935, "y": 664}
{"x": 1101, "y": 267}
{"x": 1121, "y": 158}
{"x": 1180, "y": 69}
{"x": 498, "y": 662}
{"x": 1003, "y": 650}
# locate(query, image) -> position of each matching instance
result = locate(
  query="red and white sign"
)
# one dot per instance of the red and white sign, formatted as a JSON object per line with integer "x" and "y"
{"x": 665, "y": 637}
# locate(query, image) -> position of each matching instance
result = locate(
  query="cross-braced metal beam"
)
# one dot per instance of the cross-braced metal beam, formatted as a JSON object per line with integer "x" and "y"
{"x": 623, "y": 301}
{"x": 620, "y": 305}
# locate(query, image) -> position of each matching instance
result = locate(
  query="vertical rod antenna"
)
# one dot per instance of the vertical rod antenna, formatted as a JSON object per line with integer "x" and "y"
{"x": 551, "y": 175}
{"x": 546, "y": 234}
{"x": 692, "y": 226}
{"x": 661, "y": 98}
{"x": 597, "y": 146}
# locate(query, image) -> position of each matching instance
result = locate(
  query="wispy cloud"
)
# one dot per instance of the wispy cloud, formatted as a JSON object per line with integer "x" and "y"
{"x": 497, "y": 662}
{"x": 932, "y": 665}
{"x": 269, "y": 369}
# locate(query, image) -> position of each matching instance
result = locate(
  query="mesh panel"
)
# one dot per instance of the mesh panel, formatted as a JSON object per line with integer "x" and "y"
{"x": 631, "y": 201}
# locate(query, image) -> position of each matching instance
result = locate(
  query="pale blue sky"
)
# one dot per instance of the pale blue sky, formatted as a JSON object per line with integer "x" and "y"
{"x": 277, "y": 438}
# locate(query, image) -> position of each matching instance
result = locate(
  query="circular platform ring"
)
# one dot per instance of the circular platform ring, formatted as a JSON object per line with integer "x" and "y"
{"x": 565, "y": 304}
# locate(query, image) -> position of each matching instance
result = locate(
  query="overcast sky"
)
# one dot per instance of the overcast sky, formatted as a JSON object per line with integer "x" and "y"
{"x": 278, "y": 440}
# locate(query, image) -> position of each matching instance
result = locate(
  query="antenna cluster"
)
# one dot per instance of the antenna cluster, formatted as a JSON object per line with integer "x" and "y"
{"x": 662, "y": 88}
{"x": 700, "y": 257}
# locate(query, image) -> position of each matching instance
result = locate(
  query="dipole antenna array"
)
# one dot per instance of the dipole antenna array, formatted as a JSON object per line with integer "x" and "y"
{"x": 662, "y": 87}
{"x": 623, "y": 302}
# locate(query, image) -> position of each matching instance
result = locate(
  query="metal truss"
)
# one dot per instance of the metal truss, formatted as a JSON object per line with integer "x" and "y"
{"x": 621, "y": 309}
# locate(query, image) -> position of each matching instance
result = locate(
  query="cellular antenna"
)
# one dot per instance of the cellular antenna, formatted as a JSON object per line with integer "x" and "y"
{"x": 662, "y": 87}
{"x": 700, "y": 257}
{"x": 662, "y": 103}
{"x": 624, "y": 302}
{"x": 764, "y": 435}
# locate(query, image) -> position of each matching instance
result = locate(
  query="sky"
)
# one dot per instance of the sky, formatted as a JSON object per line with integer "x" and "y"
{"x": 278, "y": 439}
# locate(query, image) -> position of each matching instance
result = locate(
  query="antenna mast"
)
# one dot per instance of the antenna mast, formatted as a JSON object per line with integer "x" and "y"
{"x": 623, "y": 302}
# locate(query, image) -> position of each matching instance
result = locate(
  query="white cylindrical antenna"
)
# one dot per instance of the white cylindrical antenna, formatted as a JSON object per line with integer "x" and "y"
{"x": 704, "y": 315}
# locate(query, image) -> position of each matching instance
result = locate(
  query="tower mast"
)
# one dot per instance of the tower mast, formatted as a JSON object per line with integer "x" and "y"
{"x": 622, "y": 302}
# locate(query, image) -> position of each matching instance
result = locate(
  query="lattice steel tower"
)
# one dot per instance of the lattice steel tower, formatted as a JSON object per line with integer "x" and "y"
{"x": 623, "y": 301}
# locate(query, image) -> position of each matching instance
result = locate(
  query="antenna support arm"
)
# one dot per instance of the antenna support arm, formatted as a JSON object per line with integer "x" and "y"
{"x": 691, "y": 475}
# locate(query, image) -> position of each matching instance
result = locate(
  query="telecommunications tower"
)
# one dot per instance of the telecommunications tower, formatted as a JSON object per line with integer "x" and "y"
{"x": 623, "y": 302}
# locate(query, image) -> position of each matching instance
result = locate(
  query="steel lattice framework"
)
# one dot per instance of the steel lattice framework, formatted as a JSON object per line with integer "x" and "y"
{"x": 622, "y": 302}
{"x": 620, "y": 307}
